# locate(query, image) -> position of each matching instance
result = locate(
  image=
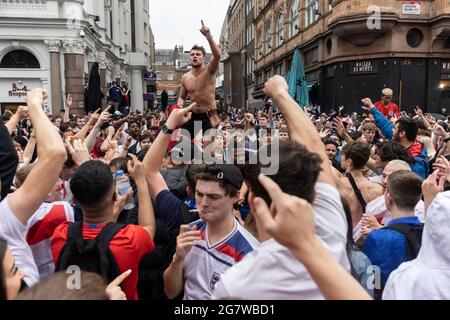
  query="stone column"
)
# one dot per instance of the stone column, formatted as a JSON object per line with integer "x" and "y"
{"x": 55, "y": 71}
{"x": 137, "y": 92}
{"x": 102, "y": 68}
{"x": 115, "y": 22}
{"x": 74, "y": 72}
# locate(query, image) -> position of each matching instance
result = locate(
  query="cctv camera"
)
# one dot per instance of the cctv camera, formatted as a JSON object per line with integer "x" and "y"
{"x": 82, "y": 34}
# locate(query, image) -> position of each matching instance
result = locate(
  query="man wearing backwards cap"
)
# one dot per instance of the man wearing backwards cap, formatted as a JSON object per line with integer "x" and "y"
{"x": 207, "y": 247}
{"x": 385, "y": 105}
{"x": 200, "y": 83}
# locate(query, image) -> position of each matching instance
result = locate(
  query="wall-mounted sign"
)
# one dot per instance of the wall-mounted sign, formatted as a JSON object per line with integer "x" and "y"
{"x": 17, "y": 91}
{"x": 445, "y": 67}
{"x": 411, "y": 7}
{"x": 363, "y": 67}
{"x": 150, "y": 76}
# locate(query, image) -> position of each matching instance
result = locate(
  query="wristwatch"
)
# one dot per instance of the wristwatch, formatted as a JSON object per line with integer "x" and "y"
{"x": 166, "y": 130}
{"x": 446, "y": 139}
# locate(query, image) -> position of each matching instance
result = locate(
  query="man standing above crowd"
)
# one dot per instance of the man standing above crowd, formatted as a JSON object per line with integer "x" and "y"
{"x": 115, "y": 96}
{"x": 385, "y": 105}
{"x": 200, "y": 83}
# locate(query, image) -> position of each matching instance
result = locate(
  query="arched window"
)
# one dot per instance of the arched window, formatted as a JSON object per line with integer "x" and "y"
{"x": 280, "y": 28}
{"x": 260, "y": 44}
{"x": 269, "y": 36}
{"x": 20, "y": 59}
{"x": 294, "y": 25}
{"x": 311, "y": 11}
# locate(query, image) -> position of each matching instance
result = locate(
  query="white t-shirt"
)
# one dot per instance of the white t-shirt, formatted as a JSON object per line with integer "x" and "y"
{"x": 272, "y": 272}
{"x": 14, "y": 232}
{"x": 379, "y": 210}
{"x": 205, "y": 263}
{"x": 40, "y": 229}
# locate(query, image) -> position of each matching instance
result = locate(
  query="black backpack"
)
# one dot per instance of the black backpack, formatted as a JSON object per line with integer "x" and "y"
{"x": 90, "y": 255}
{"x": 413, "y": 236}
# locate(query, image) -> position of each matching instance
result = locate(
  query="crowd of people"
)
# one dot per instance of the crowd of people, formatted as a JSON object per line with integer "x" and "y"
{"x": 364, "y": 193}
{"x": 124, "y": 206}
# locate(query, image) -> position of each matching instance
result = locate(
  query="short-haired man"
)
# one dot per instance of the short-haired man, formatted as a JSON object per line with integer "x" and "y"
{"x": 357, "y": 188}
{"x": 331, "y": 148}
{"x": 94, "y": 190}
{"x": 283, "y": 134}
{"x": 377, "y": 214}
{"x": 404, "y": 131}
{"x": 369, "y": 130}
{"x": 388, "y": 108}
{"x": 386, "y": 247}
{"x": 199, "y": 84}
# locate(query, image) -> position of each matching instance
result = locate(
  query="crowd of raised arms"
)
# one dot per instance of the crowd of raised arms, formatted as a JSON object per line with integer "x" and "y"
{"x": 114, "y": 205}
{"x": 348, "y": 204}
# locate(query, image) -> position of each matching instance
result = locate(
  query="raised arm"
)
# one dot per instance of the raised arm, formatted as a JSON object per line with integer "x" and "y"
{"x": 146, "y": 214}
{"x": 90, "y": 139}
{"x": 215, "y": 49}
{"x": 85, "y": 130}
{"x": 21, "y": 113}
{"x": 385, "y": 126}
{"x": 183, "y": 93}
{"x": 301, "y": 129}
{"x": 157, "y": 151}
{"x": 69, "y": 102}
{"x": 52, "y": 155}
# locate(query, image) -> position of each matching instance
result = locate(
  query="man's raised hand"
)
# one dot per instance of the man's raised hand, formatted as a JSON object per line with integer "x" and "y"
{"x": 205, "y": 30}
{"x": 179, "y": 117}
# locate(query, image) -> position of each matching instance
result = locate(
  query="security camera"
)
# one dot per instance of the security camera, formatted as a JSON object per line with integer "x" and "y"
{"x": 82, "y": 34}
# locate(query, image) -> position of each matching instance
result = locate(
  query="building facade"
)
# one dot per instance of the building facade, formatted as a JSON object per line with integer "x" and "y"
{"x": 234, "y": 59}
{"x": 53, "y": 44}
{"x": 354, "y": 48}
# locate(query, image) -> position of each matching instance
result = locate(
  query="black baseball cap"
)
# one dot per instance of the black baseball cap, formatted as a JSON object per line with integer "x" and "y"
{"x": 228, "y": 173}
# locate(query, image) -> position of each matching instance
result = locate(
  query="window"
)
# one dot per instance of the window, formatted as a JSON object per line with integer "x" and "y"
{"x": 159, "y": 76}
{"x": 259, "y": 78}
{"x": 279, "y": 34}
{"x": 268, "y": 74}
{"x": 249, "y": 6}
{"x": 269, "y": 36}
{"x": 20, "y": 59}
{"x": 293, "y": 18}
{"x": 278, "y": 69}
{"x": 414, "y": 37}
{"x": 170, "y": 76}
{"x": 311, "y": 11}
{"x": 260, "y": 44}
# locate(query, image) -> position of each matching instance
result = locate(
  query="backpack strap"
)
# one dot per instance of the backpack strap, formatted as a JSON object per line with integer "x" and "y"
{"x": 413, "y": 243}
{"x": 73, "y": 233}
{"x": 358, "y": 193}
{"x": 102, "y": 242}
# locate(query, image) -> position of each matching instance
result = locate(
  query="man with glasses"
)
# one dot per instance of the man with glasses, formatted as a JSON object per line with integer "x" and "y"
{"x": 388, "y": 108}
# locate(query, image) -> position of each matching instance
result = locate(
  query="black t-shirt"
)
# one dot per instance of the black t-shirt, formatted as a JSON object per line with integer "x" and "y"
{"x": 8, "y": 160}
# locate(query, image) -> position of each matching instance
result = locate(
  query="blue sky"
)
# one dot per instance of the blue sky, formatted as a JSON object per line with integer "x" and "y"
{"x": 178, "y": 21}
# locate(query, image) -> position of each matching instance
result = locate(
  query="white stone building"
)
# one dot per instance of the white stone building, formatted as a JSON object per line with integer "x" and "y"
{"x": 53, "y": 44}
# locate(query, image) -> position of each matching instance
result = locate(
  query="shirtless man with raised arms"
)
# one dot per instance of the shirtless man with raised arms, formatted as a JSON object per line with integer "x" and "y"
{"x": 200, "y": 84}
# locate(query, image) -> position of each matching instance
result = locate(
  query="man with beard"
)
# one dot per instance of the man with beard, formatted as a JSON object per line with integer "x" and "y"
{"x": 200, "y": 84}
{"x": 405, "y": 132}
